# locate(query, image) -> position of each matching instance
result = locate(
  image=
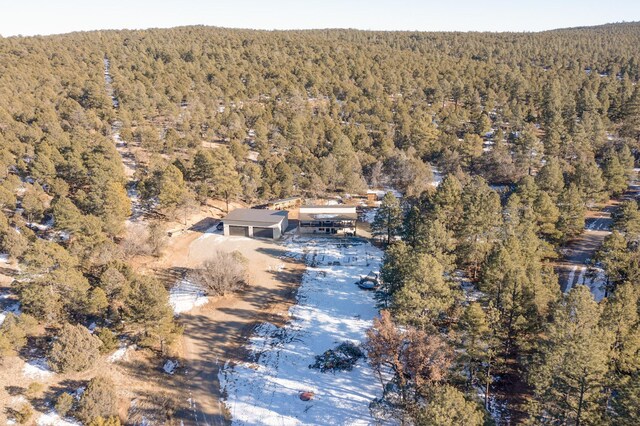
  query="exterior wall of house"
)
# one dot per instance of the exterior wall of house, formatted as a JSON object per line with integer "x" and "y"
{"x": 326, "y": 230}
{"x": 278, "y": 229}
{"x": 327, "y": 220}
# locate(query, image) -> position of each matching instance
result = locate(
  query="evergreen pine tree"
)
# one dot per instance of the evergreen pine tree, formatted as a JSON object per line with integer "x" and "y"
{"x": 480, "y": 223}
{"x": 424, "y": 296}
{"x": 387, "y": 222}
{"x": 550, "y": 178}
{"x": 569, "y": 374}
{"x": 572, "y": 210}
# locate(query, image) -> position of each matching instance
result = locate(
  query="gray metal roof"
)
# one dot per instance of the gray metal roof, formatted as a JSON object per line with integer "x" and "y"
{"x": 319, "y": 217}
{"x": 255, "y": 216}
{"x": 327, "y": 206}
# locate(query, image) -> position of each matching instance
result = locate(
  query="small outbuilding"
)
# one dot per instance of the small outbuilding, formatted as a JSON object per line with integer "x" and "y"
{"x": 328, "y": 220}
{"x": 258, "y": 223}
{"x": 284, "y": 203}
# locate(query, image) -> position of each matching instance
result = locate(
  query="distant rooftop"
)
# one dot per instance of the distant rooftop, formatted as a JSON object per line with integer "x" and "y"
{"x": 255, "y": 216}
{"x": 283, "y": 200}
{"x": 328, "y": 206}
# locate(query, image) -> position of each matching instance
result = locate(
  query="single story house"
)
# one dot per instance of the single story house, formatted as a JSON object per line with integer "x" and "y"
{"x": 331, "y": 220}
{"x": 257, "y": 223}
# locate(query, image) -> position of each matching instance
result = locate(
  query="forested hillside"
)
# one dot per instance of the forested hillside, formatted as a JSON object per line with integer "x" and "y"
{"x": 528, "y": 129}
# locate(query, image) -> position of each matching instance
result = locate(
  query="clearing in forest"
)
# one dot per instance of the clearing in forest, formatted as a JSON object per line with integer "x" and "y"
{"x": 330, "y": 310}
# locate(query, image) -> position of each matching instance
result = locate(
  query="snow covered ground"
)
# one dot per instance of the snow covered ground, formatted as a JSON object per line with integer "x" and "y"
{"x": 469, "y": 290}
{"x": 8, "y": 306}
{"x": 498, "y": 409}
{"x": 53, "y": 419}
{"x": 216, "y": 237}
{"x": 598, "y": 224}
{"x": 595, "y": 279}
{"x": 185, "y": 296}
{"x": 370, "y": 215}
{"x": 330, "y": 309}
{"x": 37, "y": 368}
{"x": 121, "y": 353}
{"x": 380, "y": 193}
{"x": 437, "y": 178}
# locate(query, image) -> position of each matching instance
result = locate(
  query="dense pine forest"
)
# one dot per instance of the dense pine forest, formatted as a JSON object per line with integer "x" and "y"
{"x": 527, "y": 130}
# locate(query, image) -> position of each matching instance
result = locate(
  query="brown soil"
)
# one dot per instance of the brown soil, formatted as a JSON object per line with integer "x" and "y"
{"x": 216, "y": 333}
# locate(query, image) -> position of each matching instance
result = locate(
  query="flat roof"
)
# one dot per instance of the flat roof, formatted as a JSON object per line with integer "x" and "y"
{"x": 327, "y": 206}
{"x": 318, "y": 217}
{"x": 255, "y": 216}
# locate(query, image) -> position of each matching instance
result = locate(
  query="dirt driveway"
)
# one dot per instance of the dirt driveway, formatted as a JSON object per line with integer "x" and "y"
{"x": 597, "y": 226}
{"x": 216, "y": 333}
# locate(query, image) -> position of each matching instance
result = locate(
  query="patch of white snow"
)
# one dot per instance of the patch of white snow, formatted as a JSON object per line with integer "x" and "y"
{"x": 120, "y": 354}
{"x": 437, "y": 178}
{"x": 8, "y": 306}
{"x": 37, "y": 368}
{"x": 53, "y": 419}
{"x": 185, "y": 296}
{"x": 330, "y": 309}
{"x": 369, "y": 215}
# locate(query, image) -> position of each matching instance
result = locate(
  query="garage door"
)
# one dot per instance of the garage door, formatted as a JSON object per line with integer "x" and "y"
{"x": 263, "y": 232}
{"x": 240, "y": 231}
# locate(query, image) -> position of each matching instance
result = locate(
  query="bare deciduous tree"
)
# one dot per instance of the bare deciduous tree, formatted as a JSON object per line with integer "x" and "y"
{"x": 157, "y": 238}
{"x": 418, "y": 361}
{"x": 224, "y": 272}
{"x": 143, "y": 240}
{"x": 135, "y": 242}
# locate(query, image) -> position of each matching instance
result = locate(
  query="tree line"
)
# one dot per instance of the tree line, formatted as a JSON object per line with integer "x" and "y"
{"x": 553, "y": 118}
{"x": 555, "y": 358}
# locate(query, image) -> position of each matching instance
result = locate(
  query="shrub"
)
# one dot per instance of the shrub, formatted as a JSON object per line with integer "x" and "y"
{"x": 23, "y": 414}
{"x": 74, "y": 350}
{"x": 98, "y": 301}
{"x": 149, "y": 312}
{"x": 447, "y": 406}
{"x": 157, "y": 238}
{"x": 223, "y": 273}
{"x": 113, "y": 282}
{"x": 34, "y": 389}
{"x": 98, "y": 400}
{"x": 342, "y": 358}
{"x": 64, "y": 404}
{"x": 109, "y": 421}
{"x": 11, "y": 242}
{"x": 142, "y": 240}
{"x": 14, "y": 332}
{"x": 108, "y": 339}
{"x": 136, "y": 241}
